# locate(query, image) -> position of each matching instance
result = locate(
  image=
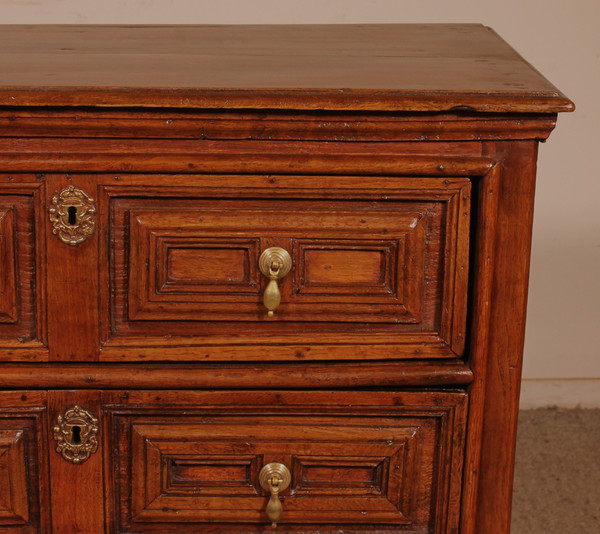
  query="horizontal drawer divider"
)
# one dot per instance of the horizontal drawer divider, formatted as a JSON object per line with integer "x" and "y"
{"x": 241, "y": 375}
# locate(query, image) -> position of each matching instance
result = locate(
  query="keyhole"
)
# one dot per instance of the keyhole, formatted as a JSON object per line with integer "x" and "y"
{"x": 75, "y": 434}
{"x": 72, "y": 211}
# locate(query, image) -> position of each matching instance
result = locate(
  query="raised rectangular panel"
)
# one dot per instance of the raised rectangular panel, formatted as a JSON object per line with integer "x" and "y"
{"x": 338, "y": 267}
{"x": 14, "y": 507}
{"x": 22, "y": 315}
{"x": 374, "y": 463}
{"x": 22, "y": 470}
{"x": 373, "y": 281}
{"x": 214, "y": 475}
{"x": 348, "y": 475}
{"x": 187, "y": 266}
{"x": 8, "y": 288}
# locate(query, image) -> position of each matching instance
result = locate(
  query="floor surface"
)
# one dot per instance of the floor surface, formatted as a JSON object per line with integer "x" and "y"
{"x": 557, "y": 473}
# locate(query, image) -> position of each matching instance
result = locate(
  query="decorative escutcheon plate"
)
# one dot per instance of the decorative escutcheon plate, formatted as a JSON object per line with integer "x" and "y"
{"x": 76, "y": 435}
{"x": 73, "y": 215}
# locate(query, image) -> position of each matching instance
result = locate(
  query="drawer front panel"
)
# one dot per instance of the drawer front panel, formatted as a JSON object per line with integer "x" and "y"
{"x": 398, "y": 467}
{"x": 380, "y": 269}
{"x": 8, "y": 288}
{"x": 22, "y": 322}
{"x": 23, "y": 468}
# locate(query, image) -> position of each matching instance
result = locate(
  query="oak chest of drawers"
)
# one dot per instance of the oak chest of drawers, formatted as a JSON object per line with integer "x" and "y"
{"x": 261, "y": 279}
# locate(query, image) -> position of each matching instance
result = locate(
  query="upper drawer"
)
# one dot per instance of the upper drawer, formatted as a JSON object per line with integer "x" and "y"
{"x": 382, "y": 275}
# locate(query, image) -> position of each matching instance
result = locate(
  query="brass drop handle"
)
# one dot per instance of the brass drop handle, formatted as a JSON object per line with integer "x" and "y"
{"x": 275, "y": 478}
{"x": 275, "y": 263}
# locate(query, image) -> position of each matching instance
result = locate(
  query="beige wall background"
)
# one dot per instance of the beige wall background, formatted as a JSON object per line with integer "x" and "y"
{"x": 559, "y": 37}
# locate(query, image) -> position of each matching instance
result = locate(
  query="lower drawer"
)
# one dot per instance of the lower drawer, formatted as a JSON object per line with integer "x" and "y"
{"x": 357, "y": 462}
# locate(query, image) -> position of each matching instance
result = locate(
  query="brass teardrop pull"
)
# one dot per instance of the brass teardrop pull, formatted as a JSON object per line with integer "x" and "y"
{"x": 275, "y": 263}
{"x": 275, "y": 478}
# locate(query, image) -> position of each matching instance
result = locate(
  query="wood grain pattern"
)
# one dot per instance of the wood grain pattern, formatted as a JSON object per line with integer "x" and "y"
{"x": 326, "y": 375}
{"x": 358, "y": 67}
{"x": 13, "y": 497}
{"x": 418, "y": 291}
{"x": 22, "y": 278}
{"x": 23, "y": 464}
{"x": 285, "y": 223}
{"x": 336, "y": 460}
{"x": 507, "y": 332}
{"x": 396, "y": 163}
{"x": 461, "y": 125}
{"x": 8, "y": 287}
{"x": 487, "y": 193}
{"x": 206, "y": 265}
{"x": 234, "y": 157}
{"x": 73, "y": 284}
{"x": 77, "y": 493}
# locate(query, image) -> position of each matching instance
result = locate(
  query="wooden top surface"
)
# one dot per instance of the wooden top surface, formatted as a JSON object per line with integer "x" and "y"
{"x": 384, "y": 67}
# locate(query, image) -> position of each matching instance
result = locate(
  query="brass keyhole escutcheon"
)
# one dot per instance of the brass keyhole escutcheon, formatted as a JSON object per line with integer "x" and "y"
{"x": 76, "y": 435}
{"x": 274, "y": 263}
{"x": 274, "y": 478}
{"x": 73, "y": 215}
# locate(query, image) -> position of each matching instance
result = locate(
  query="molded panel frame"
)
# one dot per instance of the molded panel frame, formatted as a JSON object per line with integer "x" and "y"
{"x": 24, "y": 492}
{"x": 373, "y": 464}
{"x": 23, "y": 327}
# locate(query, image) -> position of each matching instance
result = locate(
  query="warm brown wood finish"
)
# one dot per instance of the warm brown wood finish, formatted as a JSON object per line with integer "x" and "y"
{"x": 362, "y": 67}
{"x": 76, "y": 492}
{"x": 22, "y": 274}
{"x": 145, "y": 384}
{"x": 372, "y": 262}
{"x": 325, "y": 375}
{"x": 505, "y": 352}
{"x": 76, "y": 329}
{"x": 23, "y": 463}
{"x": 370, "y": 465}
